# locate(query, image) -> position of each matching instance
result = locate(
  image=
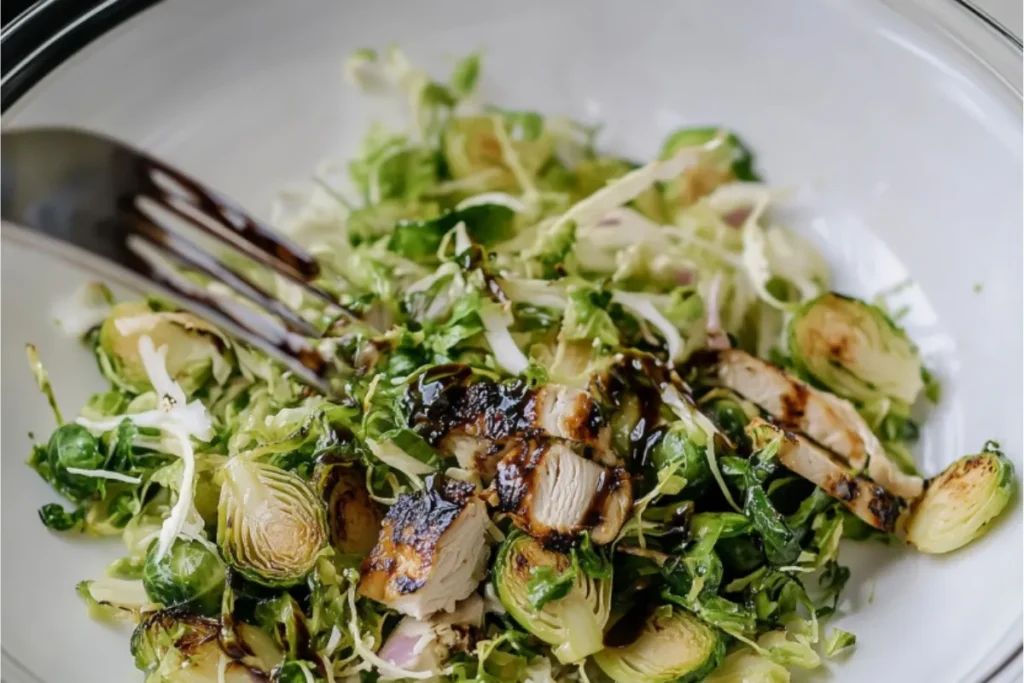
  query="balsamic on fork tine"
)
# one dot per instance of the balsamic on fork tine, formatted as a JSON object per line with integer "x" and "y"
{"x": 67, "y": 186}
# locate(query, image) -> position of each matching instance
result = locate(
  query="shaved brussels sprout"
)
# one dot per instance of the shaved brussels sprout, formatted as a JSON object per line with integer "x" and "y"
{"x": 189, "y": 575}
{"x": 593, "y": 174}
{"x": 472, "y": 150}
{"x": 670, "y": 645}
{"x": 734, "y": 151}
{"x": 173, "y": 646}
{"x": 854, "y": 350}
{"x": 731, "y": 413}
{"x": 271, "y": 526}
{"x": 193, "y": 347}
{"x": 684, "y": 445}
{"x": 354, "y": 518}
{"x": 958, "y": 504}
{"x": 573, "y": 620}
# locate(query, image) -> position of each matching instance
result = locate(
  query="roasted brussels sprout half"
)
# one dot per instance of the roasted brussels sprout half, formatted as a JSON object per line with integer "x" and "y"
{"x": 173, "y": 646}
{"x": 854, "y": 350}
{"x": 193, "y": 347}
{"x": 571, "y": 621}
{"x": 354, "y": 518}
{"x": 668, "y": 645}
{"x": 271, "y": 526}
{"x": 190, "y": 575}
{"x": 959, "y": 503}
{"x": 473, "y": 150}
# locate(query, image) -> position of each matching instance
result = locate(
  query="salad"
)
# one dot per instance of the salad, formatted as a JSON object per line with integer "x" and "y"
{"x": 593, "y": 420}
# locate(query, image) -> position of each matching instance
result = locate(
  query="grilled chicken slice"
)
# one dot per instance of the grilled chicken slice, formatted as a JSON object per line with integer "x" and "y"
{"x": 475, "y": 420}
{"x": 866, "y": 499}
{"x": 425, "y": 645}
{"x": 554, "y": 494}
{"x": 431, "y": 551}
{"x": 831, "y": 421}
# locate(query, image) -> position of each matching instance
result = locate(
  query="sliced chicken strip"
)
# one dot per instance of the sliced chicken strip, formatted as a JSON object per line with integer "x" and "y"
{"x": 474, "y": 420}
{"x": 832, "y": 422}
{"x": 431, "y": 551}
{"x": 862, "y": 497}
{"x": 554, "y": 494}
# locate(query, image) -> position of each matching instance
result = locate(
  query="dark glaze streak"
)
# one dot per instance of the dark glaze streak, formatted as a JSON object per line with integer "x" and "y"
{"x": 845, "y": 489}
{"x": 445, "y": 398}
{"x": 886, "y": 508}
{"x": 611, "y": 481}
{"x": 515, "y": 474}
{"x": 640, "y": 377}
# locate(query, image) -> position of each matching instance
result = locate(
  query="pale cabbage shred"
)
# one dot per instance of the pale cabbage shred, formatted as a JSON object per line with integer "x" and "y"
{"x": 179, "y": 419}
{"x": 732, "y": 265}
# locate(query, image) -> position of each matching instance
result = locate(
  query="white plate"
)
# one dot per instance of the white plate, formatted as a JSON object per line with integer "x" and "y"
{"x": 905, "y": 149}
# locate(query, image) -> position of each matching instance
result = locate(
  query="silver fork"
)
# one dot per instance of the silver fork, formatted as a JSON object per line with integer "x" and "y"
{"x": 120, "y": 212}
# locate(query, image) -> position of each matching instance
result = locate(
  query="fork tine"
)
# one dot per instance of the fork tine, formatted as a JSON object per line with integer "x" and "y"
{"x": 256, "y": 328}
{"x": 240, "y": 231}
{"x": 195, "y": 257}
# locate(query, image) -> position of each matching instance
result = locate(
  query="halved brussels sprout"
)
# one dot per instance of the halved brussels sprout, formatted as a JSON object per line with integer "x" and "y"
{"x": 194, "y": 348}
{"x": 271, "y": 526}
{"x": 854, "y": 350}
{"x": 173, "y": 646}
{"x": 572, "y": 624}
{"x": 354, "y": 518}
{"x": 959, "y": 503}
{"x": 189, "y": 575}
{"x": 670, "y": 644}
{"x": 471, "y": 148}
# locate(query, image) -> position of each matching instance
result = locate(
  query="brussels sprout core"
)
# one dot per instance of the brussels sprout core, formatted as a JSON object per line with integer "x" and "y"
{"x": 959, "y": 503}
{"x": 271, "y": 526}
{"x": 670, "y": 645}
{"x": 855, "y": 350}
{"x": 189, "y": 575}
{"x": 573, "y": 623}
